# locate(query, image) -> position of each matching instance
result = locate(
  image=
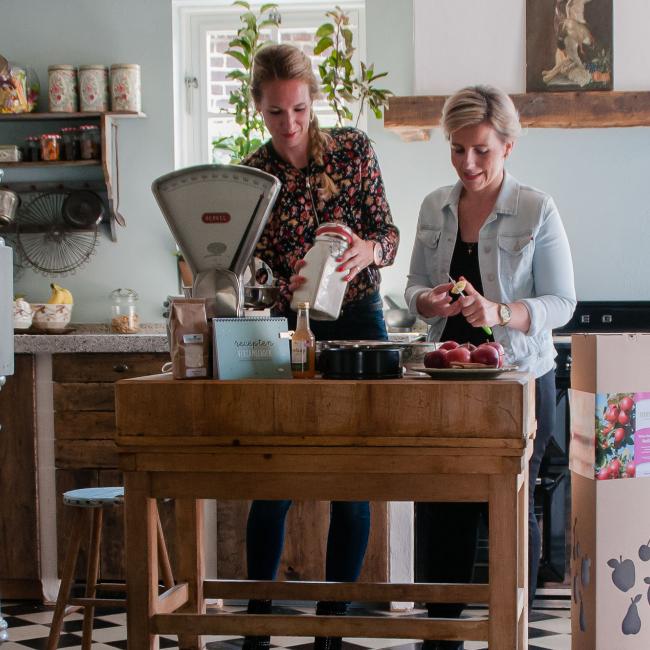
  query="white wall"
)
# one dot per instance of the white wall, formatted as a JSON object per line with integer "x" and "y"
{"x": 43, "y": 32}
{"x": 598, "y": 177}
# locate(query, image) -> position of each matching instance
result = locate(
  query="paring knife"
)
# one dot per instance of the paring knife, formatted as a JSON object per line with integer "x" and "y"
{"x": 485, "y": 328}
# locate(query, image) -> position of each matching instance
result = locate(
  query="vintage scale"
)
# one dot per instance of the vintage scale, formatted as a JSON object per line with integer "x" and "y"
{"x": 216, "y": 214}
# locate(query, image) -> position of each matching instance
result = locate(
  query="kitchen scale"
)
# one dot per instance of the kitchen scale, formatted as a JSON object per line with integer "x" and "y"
{"x": 217, "y": 214}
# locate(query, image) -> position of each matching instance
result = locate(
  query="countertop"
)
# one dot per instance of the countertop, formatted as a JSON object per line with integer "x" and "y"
{"x": 93, "y": 338}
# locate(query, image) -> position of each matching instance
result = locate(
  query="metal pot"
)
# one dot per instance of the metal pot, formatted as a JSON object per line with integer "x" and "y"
{"x": 9, "y": 203}
{"x": 396, "y": 317}
{"x": 361, "y": 362}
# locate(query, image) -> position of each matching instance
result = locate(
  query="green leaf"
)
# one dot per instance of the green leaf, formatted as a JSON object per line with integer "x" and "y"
{"x": 269, "y": 22}
{"x": 347, "y": 36}
{"x": 323, "y": 44}
{"x": 325, "y": 30}
{"x": 241, "y": 3}
{"x": 236, "y": 75}
{"x": 240, "y": 56}
{"x": 243, "y": 42}
{"x": 267, "y": 7}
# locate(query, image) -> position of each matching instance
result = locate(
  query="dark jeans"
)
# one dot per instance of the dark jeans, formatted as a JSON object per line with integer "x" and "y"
{"x": 349, "y": 520}
{"x": 451, "y": 528}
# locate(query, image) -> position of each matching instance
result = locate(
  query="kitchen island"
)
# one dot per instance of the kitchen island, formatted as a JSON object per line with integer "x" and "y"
{"x": 401, "y": 440}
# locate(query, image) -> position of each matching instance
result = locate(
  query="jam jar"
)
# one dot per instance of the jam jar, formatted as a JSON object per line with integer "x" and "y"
{"x": 70, "y": 143}
{"x": 124, "y": 311}
{"x": 32, "y": 148}
{"x": 89, "y": 144}
{"x": 50, "y": 146}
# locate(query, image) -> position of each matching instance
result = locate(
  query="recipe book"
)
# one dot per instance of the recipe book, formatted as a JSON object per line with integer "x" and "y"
{"x": 250, "y": 348}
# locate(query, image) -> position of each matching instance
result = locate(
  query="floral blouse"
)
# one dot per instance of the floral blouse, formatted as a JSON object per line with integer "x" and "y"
{"x": 360, "y": 203}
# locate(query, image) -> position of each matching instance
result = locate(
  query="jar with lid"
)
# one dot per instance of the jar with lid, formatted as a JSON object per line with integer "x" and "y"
{"x": 325, "y": 286}
{"x": 125, "y": 87}
{"x": 50, "y": 146}
{"x": 32, "y": 148}
{"x": 124, "y": 311}
{"x": 89, "y": 143}
{"x": 70, "y": 143}
{"x": 93, "y": 88}
{"x": 62, "y": 88}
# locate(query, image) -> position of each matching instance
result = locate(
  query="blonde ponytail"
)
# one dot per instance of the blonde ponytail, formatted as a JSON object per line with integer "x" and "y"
{"x": 319, "y": 142}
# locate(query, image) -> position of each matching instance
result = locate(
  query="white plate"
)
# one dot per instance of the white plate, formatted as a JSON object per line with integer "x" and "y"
{"x": 442, "y": 373}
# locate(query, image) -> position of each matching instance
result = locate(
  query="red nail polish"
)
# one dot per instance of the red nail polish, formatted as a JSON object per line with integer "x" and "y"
{"x": 339, "y": 268}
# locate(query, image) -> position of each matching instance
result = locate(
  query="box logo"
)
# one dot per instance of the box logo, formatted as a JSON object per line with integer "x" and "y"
{"x": 215, "y": 217}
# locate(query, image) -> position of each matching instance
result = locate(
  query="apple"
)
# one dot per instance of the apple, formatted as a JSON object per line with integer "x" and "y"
{"x": 448, "y": 345}
{"x": 611, "y": 414}
{"x": 619, "y": 436}
{"x": 459, "y": 355}
{"x": 470, "y": 346}
{"x": 644, "y": 553}
{"x": 487, "y": 355}
{"x": 436, "y": 359}
{"x": 499, "y": 348}
{"x": 623, "y": 576}
{"x": 626, "y": 403}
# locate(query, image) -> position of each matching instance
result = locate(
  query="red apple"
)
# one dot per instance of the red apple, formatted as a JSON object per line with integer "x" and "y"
{"x": 470, "y": 346}
{"x": 499, "y": 348}
{"x": 436, "y": 359}
{"x": 487, "y": 355}
{"x": 448, "y": 345}
{"x": 459, "y": 355}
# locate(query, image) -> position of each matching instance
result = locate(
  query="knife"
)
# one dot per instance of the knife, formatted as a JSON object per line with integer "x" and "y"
{"x": 485, "y": 328}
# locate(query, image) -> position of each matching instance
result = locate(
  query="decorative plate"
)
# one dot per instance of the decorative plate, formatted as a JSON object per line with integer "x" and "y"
{"x": 464, "y": 373}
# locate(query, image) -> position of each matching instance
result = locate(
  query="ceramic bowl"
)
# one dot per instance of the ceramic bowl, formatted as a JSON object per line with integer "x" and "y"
{"x": 413, "y": 353}
{"x": 51, "y": 316}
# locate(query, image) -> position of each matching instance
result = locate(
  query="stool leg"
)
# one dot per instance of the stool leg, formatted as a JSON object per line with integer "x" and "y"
{"x": 91, "y": 576}
{"x": 163, "y": 556}
{"x": 79, "y": 514}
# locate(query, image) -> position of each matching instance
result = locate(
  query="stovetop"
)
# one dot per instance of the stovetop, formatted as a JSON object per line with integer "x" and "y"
{"x": 603, "y": 316}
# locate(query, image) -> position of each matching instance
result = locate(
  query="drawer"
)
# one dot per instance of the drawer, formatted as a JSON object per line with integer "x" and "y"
{"x": 105, "y": 367}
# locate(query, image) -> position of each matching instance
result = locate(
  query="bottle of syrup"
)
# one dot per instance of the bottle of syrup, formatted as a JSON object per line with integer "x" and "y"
{"x": 303, "y": 346}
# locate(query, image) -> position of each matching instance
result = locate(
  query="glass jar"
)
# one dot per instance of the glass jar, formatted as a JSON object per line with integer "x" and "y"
{"x": 32, "y": 149}
{"x": 70, "y": 143}
{"x": 325, "y": 286}
{"x": 124, "y": 312}
{"x": 89, "y": 143}
{"x": 50, "y": 146}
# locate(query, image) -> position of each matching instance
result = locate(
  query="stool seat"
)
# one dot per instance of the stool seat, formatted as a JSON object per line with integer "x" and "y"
{"x": 96, "y": 497}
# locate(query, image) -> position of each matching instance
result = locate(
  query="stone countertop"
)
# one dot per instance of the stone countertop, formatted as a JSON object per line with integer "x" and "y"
{"x": 93, "y": 338}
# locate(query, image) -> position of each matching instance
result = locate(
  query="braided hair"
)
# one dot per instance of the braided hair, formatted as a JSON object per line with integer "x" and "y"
{"x": 283, "y": 62}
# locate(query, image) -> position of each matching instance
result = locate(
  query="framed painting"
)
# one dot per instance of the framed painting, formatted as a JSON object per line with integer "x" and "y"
{"x": 569, "y": 45}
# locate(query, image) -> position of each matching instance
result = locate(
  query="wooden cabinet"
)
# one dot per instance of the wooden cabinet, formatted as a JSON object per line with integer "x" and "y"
{"x": 19, "y": 550}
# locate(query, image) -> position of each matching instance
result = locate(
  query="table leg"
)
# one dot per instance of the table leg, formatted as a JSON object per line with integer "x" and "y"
{"x": 503, "y": 541}
{"x": 191, "y": 562}
{"x": 522, "y": 547}
{"x": 141, "y": 555}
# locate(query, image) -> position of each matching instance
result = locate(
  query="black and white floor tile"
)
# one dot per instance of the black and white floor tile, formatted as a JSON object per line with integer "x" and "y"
{"x": 28, "y": 628}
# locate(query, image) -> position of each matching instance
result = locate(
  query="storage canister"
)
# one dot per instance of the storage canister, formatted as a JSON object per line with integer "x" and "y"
{"x": 125, "y": 87}
{"x": 62, "y": 89}
{"x": 325, "y": 286}
{"x": 93, "y": 88}
{"x": 124, "y": 311}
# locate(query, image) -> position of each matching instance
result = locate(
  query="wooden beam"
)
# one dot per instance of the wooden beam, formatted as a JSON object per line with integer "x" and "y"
{"x": 567, "y": 110}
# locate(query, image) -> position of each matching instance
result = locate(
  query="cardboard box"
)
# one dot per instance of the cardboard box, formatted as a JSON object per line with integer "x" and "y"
{"x": 610, "y": 468}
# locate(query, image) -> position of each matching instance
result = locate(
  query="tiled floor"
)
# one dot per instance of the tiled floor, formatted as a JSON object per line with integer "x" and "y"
{"x": 550, "y": 628}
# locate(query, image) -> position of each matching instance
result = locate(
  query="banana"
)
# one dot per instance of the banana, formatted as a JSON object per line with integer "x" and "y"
{"x": 60, "y": 295}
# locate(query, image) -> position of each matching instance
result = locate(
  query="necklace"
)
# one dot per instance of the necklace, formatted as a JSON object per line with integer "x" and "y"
{"x": 469, "y": 247}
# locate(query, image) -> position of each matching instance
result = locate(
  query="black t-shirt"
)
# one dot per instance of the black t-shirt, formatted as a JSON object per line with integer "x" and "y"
{"x": 464, "y": 262}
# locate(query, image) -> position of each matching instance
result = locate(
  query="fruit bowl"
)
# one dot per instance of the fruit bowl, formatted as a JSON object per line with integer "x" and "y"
{"x": 49, "y": 316}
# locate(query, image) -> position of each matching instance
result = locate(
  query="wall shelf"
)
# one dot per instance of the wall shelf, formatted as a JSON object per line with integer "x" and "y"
{"x": 413, "y": 117}
{"x": 106, "y": 184}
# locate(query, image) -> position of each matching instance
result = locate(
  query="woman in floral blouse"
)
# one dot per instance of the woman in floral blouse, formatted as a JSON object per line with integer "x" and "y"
{"x": 326, "y": 176}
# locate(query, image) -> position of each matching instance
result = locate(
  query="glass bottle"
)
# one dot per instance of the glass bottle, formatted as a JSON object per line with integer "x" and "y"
{"x": 124, "y": 312}
{"x": 89, "y": 144}
{"x": 32, "y": 148}
{"x": 70, "y": 139}
{"x": 303, "y": 346}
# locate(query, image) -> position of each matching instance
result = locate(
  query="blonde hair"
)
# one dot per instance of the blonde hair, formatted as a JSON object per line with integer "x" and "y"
{"x": 283, "y": 62}
{"x": 475, "y": 104}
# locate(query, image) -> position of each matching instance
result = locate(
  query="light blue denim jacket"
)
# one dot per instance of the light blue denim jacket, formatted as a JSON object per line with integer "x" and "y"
{"x": 524, "y": 257}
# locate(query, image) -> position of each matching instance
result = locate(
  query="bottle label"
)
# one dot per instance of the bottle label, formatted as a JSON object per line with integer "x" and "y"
{"x": 299, "y": 355}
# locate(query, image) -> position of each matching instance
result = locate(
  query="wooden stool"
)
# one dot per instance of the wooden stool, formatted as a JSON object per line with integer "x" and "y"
{"x": 88, "y": 514}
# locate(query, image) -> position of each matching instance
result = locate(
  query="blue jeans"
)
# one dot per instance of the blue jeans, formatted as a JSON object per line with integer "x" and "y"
{"x": 451, "y": 529}
{"x": 349, "y": 520}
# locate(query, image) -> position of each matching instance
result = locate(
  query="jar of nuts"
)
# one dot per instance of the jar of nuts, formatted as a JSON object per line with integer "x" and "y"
{"x": 124, "y": 312}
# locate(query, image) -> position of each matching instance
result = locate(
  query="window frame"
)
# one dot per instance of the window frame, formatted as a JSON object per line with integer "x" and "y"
{"x": 191, "y": 20}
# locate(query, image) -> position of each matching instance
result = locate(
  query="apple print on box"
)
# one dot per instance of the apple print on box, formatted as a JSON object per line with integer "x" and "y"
{"x": 623, "y": 575}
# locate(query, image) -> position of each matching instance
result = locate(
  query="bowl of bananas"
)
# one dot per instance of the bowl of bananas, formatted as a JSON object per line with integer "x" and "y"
{"x": 54, "y": 314}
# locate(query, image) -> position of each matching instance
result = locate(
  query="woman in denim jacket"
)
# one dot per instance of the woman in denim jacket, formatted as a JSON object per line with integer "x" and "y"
{"x": 507, "y": 241}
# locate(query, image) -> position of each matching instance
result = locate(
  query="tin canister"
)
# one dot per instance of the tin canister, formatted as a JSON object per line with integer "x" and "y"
{"x": 93, "y": 88}
{"x": 62, "y": 88}
{"x": 125, "y": 87}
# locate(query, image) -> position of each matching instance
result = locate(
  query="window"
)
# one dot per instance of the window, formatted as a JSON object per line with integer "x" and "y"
{"x": 202, "y": 34}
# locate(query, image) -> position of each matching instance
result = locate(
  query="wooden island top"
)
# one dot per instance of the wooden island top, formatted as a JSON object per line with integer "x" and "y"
{"x": 412, "y": 439}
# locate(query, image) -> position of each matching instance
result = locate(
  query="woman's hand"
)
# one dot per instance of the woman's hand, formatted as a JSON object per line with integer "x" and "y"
{"x": 297, "y": 280}
{"x": 437, "y": 302}
{"x": 359, "y": 255}
{"x": 478, "y": 310}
